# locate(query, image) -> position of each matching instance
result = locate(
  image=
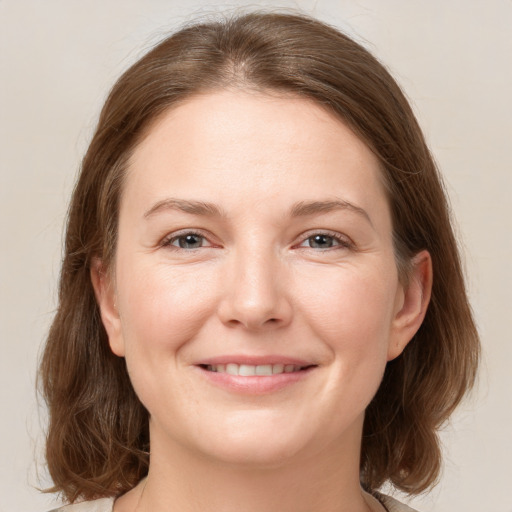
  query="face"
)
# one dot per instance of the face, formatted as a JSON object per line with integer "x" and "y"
{"x": 255, "y": 295}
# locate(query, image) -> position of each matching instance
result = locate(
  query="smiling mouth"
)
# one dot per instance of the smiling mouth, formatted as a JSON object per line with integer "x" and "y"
{"x": 247, "y": 370}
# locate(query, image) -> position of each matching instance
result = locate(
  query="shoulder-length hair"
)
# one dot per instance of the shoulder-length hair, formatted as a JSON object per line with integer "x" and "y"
{"x": 97, "y": 440}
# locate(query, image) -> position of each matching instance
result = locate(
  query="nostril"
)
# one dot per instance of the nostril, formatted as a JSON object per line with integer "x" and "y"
{"x": 271, "y": 321}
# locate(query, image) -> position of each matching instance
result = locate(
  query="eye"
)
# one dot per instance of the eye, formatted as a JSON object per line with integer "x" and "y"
{"x": 323, "y": 241}
{"x": 187, "y": 241}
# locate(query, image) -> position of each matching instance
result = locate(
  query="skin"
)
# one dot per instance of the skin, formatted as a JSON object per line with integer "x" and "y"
{"x": 256, "y": 283}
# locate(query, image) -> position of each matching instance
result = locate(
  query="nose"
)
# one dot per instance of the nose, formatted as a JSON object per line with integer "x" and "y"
{"x": 255, "y": 292}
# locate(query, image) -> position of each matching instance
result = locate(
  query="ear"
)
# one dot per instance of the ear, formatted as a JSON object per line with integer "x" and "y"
{"x": 411, "y": 304}
{"x": 104, "y": 290}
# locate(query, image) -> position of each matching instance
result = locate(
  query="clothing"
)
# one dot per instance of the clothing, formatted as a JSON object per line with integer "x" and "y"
{"x": 101, "y": 505}
{"x": 391, "y": 504}
{"x": 107, "y": 504}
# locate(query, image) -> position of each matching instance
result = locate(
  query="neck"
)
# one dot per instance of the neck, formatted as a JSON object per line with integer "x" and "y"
{"x": 184, "y": 481}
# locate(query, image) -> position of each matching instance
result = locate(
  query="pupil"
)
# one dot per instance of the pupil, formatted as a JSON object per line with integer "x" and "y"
{"x": 190, "y": 241}
{"x": 321, "y": 241}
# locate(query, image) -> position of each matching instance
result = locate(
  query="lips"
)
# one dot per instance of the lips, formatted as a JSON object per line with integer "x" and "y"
{"x": 254, "y": 375}
{"x": 248, "y": 370}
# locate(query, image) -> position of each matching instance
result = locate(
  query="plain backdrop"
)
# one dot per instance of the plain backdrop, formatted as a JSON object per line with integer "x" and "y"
{"x": 59, "y": 58}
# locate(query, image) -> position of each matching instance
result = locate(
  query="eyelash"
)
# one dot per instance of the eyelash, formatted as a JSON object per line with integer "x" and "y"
{"x": 168, "y": 241}
{"x": 342, "y": 242}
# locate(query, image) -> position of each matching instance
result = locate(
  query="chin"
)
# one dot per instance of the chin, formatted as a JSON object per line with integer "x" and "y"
{"x": 258, "y": 439}
{"x": 257, "y": 453}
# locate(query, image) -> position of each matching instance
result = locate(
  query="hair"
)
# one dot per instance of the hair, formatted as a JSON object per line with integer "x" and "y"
{"x": 98, "y": 434}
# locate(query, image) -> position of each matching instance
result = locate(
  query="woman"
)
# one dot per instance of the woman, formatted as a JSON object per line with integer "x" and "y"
{"x": 261, "y": 301}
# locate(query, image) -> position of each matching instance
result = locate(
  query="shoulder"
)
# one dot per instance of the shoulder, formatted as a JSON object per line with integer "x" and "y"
{"x": 101, "y": 505}
{"x": 393, "y": 505}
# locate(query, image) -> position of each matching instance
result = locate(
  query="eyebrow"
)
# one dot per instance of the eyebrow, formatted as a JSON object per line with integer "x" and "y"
{"x": 300, "y": 209}
{"x": 187, "y": 206}
{"x": 305, "y": 208}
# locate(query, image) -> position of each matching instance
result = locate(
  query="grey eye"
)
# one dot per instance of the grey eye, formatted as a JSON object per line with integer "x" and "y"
{"x": 321, "y": 241}
{"x": 190, "y": 241}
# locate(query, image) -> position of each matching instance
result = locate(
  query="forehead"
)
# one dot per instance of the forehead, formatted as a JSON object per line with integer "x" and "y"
{"x": 229, "y": 145}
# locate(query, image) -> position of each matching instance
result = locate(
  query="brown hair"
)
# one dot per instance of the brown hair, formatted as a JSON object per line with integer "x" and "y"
{"x": 98, "y": 441}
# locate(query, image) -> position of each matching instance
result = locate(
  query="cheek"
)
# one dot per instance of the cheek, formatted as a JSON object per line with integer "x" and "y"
{"x": 350, "y": 300}
{"x": 162, "y": 308}
{"x": 352, "y": 313}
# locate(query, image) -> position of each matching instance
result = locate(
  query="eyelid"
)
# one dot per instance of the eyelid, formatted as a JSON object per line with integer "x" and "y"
{"x": 344, "y": 241}
{"x": 171, "y": 237}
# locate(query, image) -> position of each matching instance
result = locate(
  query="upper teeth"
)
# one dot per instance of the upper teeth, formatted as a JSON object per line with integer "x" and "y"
{"x": 247, "y": 370}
